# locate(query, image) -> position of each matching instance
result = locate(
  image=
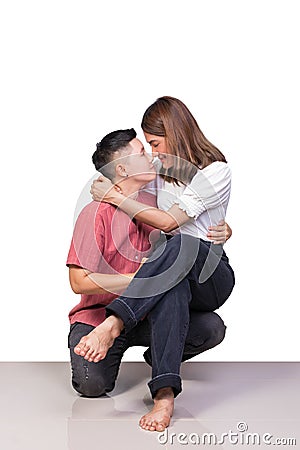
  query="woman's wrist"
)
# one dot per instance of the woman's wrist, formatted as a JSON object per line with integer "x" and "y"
{"x": 115, "y": 197}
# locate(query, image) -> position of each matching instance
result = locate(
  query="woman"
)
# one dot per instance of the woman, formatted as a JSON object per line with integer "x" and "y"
{"x": 193, "y": 194}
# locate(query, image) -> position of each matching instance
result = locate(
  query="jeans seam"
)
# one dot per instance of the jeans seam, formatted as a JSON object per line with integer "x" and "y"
{"x": 137, "y": 309}
{"x": 164, "y": 374}
{"x": 128, "y": 309}
{"x": 183, "y": 338}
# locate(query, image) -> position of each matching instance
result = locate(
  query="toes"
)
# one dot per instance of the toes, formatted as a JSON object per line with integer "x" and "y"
{"x": 78, "y": 349}
{"x": 90, "y": 357}
{"x": 98, "y": 357}
{"x": 89, "y": 354}
{"x": 85, "y": 348}
{"x": 83, "y": 352}
{"x": 149, "y": 426}
{"x": 143, "y": 422}
{"x": 160, "y": 427}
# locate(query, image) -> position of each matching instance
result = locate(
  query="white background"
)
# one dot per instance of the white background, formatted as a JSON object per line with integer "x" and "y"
{"x": 72, "y": 71}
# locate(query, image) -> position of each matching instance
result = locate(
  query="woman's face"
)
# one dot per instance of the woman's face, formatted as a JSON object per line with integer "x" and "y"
{"x": 160, "y": 149}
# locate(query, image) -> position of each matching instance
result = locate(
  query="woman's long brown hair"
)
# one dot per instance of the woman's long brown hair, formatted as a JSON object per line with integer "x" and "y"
{"x": 170, "y": 118}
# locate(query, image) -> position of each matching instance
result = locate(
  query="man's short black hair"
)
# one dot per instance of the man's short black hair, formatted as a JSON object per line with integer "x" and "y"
{"x": 108, "y": 146}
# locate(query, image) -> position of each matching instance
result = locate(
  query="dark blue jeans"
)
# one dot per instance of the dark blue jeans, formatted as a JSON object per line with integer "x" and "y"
{"x": 205, "y": 331}
{"x": 185, "y": 273}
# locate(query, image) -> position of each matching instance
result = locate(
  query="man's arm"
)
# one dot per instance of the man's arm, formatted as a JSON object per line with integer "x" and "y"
{"x": 83, "y": 281}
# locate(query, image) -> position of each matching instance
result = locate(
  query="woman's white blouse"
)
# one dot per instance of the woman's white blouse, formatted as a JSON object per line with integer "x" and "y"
{"x": 204, "y": 200}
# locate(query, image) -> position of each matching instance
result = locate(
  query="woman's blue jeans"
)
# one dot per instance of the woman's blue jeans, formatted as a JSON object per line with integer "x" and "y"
{"x": 184, "y": 273}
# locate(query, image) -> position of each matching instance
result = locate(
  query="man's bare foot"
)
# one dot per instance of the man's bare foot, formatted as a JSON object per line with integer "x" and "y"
{"x": 159, "y": 417}
{"x": 94, "y": 346}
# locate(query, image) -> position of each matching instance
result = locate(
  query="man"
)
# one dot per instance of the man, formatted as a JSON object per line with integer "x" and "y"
{"x": 106, "y": 250}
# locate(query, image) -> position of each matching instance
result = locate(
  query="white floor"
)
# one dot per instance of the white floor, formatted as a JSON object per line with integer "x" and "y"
{"x": 249, "y": 401}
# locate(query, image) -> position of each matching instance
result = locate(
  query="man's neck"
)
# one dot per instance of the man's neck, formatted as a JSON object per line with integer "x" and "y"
{"x": 129, "y": 187}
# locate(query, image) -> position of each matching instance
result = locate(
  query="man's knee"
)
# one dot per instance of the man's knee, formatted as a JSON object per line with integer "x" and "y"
{"x": 215, "y": 332}
{"x": 208, "y": 331}
{"x": 92, "y": 387}
{"x": 214, "y": 329}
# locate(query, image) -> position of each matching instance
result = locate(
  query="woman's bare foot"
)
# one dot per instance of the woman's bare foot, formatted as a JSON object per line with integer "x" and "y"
{"x": 159, "y": 417}
{"x": 94, "y": 346}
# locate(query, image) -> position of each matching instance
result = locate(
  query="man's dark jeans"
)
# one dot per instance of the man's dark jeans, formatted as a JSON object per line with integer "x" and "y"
{"x": 205, "y": 331}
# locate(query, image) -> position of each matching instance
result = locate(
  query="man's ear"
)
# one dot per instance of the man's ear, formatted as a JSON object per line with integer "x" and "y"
{"x": 121, "y": 170}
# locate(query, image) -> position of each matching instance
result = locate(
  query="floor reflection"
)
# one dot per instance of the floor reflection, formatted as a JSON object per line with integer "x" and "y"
{"x": 239, "y": 401}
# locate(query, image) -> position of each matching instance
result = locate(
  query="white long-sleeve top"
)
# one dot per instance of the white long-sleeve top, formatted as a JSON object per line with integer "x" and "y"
{"x": 204, "y": 200}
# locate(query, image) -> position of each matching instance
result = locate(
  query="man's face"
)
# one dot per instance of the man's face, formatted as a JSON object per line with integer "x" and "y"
{"x": 138, "y": 163}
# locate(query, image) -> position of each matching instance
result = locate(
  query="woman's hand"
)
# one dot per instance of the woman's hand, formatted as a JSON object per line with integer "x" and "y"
{"x": 132, "y": 275}
{"x": 103, "y": 190}
{"x": 141, "y": 263}
{"x": 220, "y": 233}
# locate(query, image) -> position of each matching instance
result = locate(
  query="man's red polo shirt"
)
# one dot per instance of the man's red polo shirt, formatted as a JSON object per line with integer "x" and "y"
{"x": 105, "y": 240}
